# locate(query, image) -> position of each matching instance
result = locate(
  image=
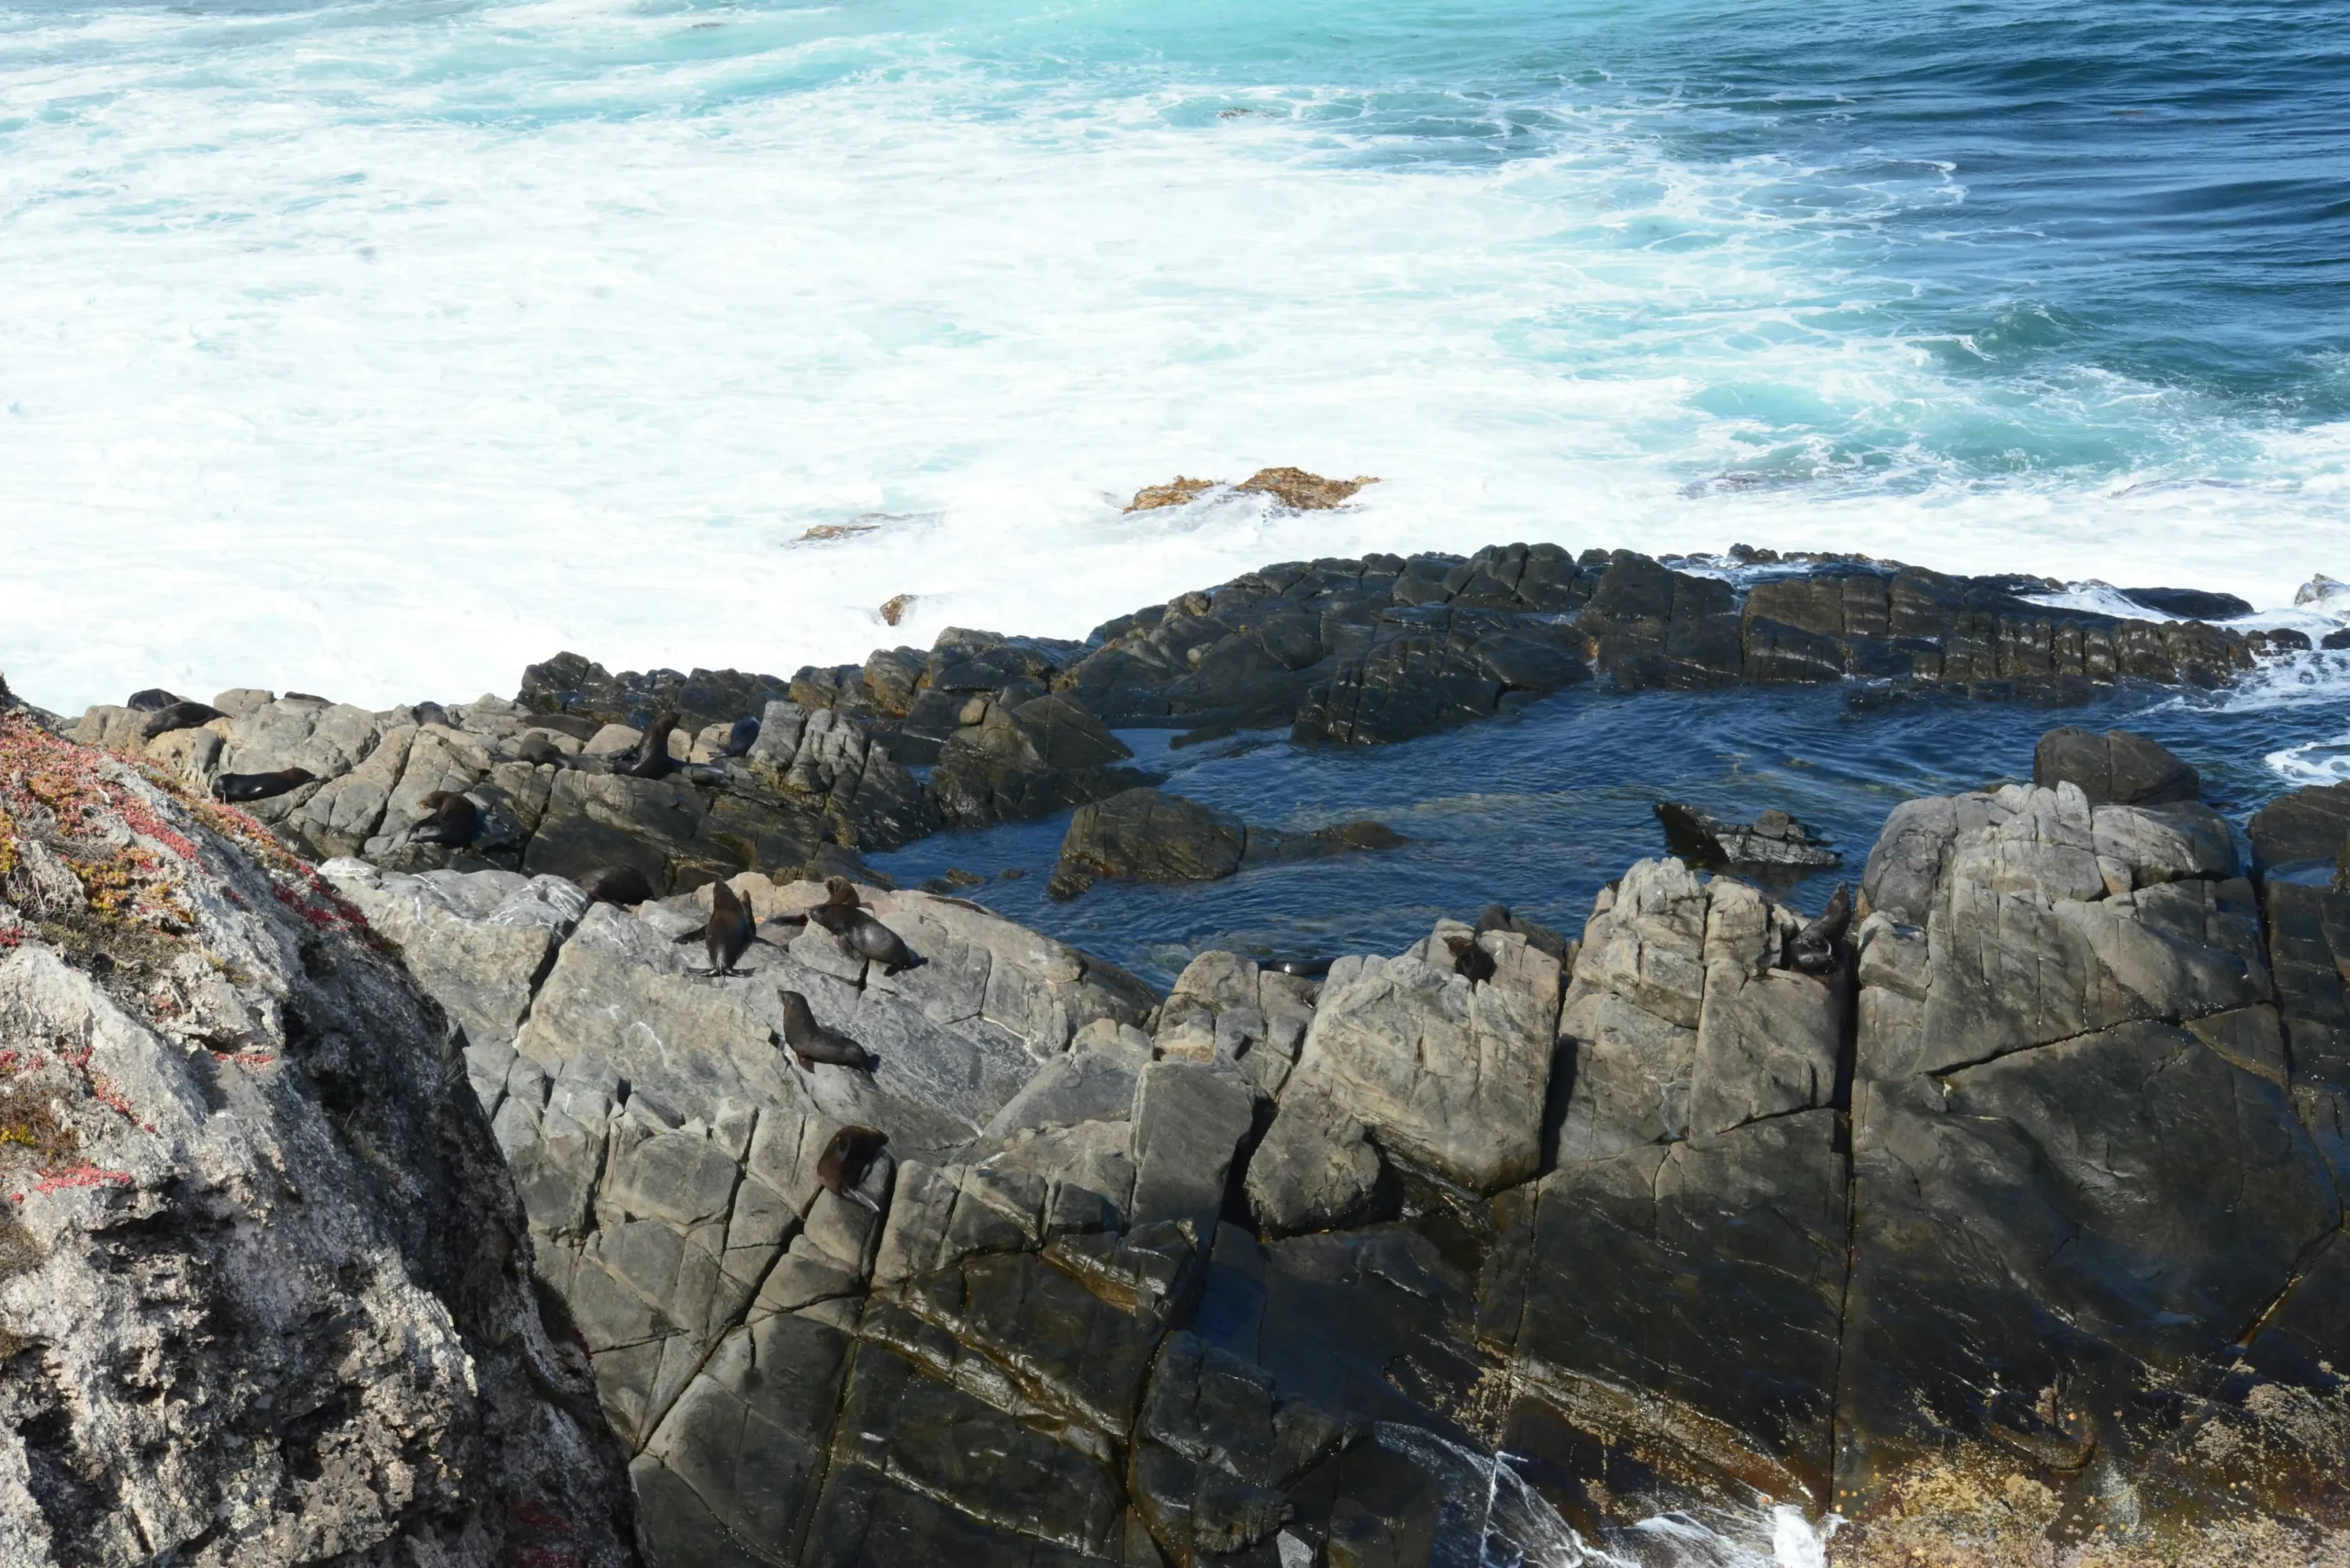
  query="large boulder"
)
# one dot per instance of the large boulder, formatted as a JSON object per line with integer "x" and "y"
{"x": 265, "y": 1282}
{"x": 2118, "y": 767}
{"x": 1448, "y": 1072}
{"x": 2078, "y": 1183}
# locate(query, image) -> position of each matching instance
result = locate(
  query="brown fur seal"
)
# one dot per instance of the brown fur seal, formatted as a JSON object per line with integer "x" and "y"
{"x": 450, "y": 818}
{"x": 153, "y": 700}
{"x": 840, "y": 908}
{"x": 617, "y": 884}
{"x": 741, "y": 738}
{"x": 1469, "y": 960}
{"x": 652, "y": 758}
{"x": 237, "y": 787}
{"x": 846, "y": 1161}
{"x": 1813, "y": 949}
{"x": 180, "y": 716}
{"x": 537, "y": 750}
{"x": 729, "y": 932}
{"x": 869, "y": 938}
{"x": 811, "y": 1042}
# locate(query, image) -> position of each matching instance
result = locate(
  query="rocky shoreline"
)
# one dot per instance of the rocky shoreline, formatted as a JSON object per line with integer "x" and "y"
{"x": 2004, "y": 1223}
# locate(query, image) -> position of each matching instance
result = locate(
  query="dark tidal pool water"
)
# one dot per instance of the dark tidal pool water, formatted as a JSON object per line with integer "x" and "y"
{"x": 1540, "y": 812}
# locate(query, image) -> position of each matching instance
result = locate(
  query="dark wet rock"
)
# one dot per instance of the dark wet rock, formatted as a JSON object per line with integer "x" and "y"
{"x": 2300, "y": 828}
{"x": 2190, "y": 604}
{"x": 1041, "y": 756}
{"x": 2118, "y": 767}
{"x": 577, "y": 687}
{"x": 1772, "y": 839}
{"x": 1147, "y": 835}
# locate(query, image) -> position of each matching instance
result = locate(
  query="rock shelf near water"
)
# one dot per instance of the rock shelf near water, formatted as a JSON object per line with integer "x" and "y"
{"x": 2036, "y": 1195}
{"x": 1340, "y": 652}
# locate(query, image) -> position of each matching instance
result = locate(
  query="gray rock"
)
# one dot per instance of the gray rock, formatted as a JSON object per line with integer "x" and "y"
{"x": 1450, "y": 1074}
{"x": 269, "y": 1304}
{"x": 1189, "y": 1121}
{"x": 1315, "y": 1169}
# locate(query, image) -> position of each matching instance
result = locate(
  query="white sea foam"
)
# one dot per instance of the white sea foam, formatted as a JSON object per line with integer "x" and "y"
{"x": 378, "y": 355}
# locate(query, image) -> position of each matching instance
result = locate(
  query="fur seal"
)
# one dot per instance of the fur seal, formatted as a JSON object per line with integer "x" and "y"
{"x": 180, "y": 716}
{"x": 729, "y": 932}
{"x": 537, "y": 750}
{"x": 237, "y": 787}
{"x": 652, "y": 758}
{"x": 869, "y": 938}
{"x": 1813, "y": 949}
{"x": 1469, "y": 960}
{"x": 450, "y": 819}
{"x": 431, "y": 713}
{"x": 846, "y": 1161}
{"x": 1304, "y": 969}
{"x": 741, "y": 738}
{"x": 618, "y": 885}
{"x": 153, "y": 700}
{"x": 840, "y": 908}
{"x": 811, "y": 1042}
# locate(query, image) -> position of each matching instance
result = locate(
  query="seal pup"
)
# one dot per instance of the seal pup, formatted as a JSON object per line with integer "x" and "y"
{"x": 431, "y": 713}
{"x": 1812, "y": 950}
{"x": 729, "y": 932}
{"x": 153, "y": 700}
{"x": 1469, "y": 960}
{"x": 741, "y": 738}
{"x": 811, "y": 1042}
{"x": 450, "y": 818}
{"x": 180, "y": 716}
{"x": 652, "y": 758}
{"x": 234, "y": 788}
{"x": 846, "y": 1158}
{"x": 623, "y": 885}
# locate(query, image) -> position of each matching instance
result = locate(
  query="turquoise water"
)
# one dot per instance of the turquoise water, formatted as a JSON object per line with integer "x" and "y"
{"x": 378, "y": 349}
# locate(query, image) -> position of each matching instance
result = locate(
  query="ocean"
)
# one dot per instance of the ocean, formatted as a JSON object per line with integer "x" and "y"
{"x": 378, "y": 347}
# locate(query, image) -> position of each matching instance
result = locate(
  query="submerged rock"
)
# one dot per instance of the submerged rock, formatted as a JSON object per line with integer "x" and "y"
{"x": 1772, "y": 839}
{"x": 2118, "y": 765}
{"x": 1146, "y": 835}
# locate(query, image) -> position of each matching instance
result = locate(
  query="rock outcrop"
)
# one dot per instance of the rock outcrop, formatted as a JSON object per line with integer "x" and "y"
{"x": 1146, "y": 835}
{"x": 266, "y": 1291}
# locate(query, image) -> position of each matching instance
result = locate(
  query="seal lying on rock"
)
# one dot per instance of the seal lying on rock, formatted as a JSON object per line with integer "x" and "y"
{"x": 180, "y": 716}
{"x": 812, "y": 1042}
{"x": 537, "y": 750}
{"x": 1812, "y": 950}
{"x": 859, "y": 934}
{"x": 846, "y": 1161}
{"x": 153, "y": 700}
{"x": 729, "y": 932}
{"x": 623, "y": 885}
{"x": 451, "y": 818}
{"x": 237, "y": 787}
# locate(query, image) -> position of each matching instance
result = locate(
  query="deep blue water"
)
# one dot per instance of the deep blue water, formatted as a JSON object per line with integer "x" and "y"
{"x": 1539, "y": 812}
